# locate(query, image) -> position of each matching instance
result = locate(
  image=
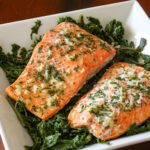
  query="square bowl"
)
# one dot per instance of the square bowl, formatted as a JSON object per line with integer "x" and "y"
{"x": 137, "y": 25}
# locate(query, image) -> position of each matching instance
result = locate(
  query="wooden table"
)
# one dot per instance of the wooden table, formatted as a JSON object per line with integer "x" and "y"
{"x": 13, "y": 10}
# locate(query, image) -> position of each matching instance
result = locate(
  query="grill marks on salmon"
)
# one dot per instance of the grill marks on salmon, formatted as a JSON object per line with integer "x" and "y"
{"x": 119, "y": 99}
{"x": 60, "y": 64}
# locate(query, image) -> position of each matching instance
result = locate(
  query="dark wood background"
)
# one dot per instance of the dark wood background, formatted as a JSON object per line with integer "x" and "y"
{"x": 13, "y": 10}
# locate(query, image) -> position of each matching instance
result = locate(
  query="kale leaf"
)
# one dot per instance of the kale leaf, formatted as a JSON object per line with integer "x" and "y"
{"x": 35, "y": 28}
{"x": 134, "y": 129}
{"x": 66, "y": 19}
{"x": 114, "y": 31}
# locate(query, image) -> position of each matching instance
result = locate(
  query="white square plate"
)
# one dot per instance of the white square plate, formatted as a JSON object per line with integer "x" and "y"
{"x": 137, "y": 25}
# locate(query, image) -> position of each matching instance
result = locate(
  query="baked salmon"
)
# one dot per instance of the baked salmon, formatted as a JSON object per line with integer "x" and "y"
{"x": 61, "y": 63}
{"x": 120, "y": 99}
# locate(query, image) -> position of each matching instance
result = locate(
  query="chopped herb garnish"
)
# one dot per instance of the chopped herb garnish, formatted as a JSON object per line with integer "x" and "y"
{"x": 54, "y": 103}
{"x": 76, "y": 69}
{"x": 50, "y": 47}
{"x": 74, "y": 57}
{"x": 69, "y": 50}
{"x": 40, "y": 49}
{"x": 97, "y": 94}
{"x": 48, "y": 57}
{"x": 105, "y": 46}
{"x": 137, "y": 97}
{"x": 80, "y": 36}
{"x": 67, "y": 36}
{"x": 40, "y": 75}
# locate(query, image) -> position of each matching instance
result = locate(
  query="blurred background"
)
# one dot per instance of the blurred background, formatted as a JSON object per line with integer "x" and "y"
{"x": 14, "y": 10}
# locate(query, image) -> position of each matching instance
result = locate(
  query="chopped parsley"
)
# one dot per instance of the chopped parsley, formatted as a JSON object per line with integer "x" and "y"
{"x": 54, "y": 103}
{"x": 76, "y": 68}
{"x": 74, "y": 57}
{"x": 70, "y": 49}
{"x": 50, "y": 47}
{"x": 40, "y": 49}
{"x": 105, "y": 46}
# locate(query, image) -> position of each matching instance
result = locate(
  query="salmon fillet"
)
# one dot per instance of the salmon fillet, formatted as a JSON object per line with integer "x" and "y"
{"x": 119, "y": 99}
{"x": 60, "y": 64}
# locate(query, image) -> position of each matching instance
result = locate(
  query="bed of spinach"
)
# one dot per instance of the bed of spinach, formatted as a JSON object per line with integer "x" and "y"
{"x": 56, "y": 133}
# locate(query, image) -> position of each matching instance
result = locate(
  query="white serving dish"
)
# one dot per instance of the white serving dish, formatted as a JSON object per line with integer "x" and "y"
{"x": 137, "y": 25}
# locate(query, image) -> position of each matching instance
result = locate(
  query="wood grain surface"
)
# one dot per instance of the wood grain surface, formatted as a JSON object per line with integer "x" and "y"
{"x": 13, "y": 10}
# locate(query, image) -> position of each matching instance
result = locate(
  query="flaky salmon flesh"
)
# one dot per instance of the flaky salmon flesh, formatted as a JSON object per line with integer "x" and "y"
{"x": 60, "y": 64}
{"x": 120, "y": 99}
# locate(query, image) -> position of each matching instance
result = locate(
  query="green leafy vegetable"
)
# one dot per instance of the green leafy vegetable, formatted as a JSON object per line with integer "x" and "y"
{"x": 142, "y": 44}
{"x": 146, "y": 59}
{"x": 134, "y": 129}
{"x": 35, "y": 28}
{"x": 94, "y": 26}
{"x": 56, "y": 133}
{"x": 114, "y": 31}
{"x": 50, "y": 141}
{"x": 67, "y": 19}
{"x": 131, "y": 54}
{"x": 14, "y": 63}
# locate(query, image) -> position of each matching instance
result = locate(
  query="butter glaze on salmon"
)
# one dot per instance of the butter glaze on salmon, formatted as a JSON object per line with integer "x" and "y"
{"x": 119, "y": 99}
{"x": 60, "y": 64}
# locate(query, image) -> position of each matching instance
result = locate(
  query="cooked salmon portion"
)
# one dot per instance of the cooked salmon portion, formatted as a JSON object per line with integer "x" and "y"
{"x": 60, "y": 64}
{"x": 120, "y": 99}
